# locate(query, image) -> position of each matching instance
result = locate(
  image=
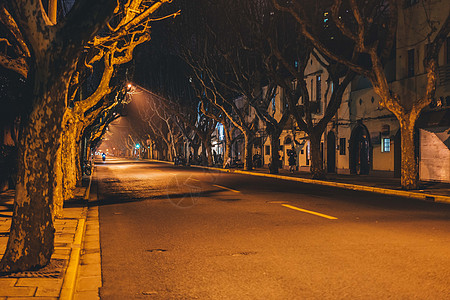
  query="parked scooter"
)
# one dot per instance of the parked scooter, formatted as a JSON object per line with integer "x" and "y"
{"x": 179, "y": 161}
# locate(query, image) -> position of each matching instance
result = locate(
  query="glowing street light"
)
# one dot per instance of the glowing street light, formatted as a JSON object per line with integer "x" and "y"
{"x": 138, "y": 146}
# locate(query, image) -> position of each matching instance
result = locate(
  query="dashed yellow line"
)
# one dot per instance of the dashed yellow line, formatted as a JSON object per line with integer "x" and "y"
{"x": 223, "y": 187}
{"x": 310, "y": 212}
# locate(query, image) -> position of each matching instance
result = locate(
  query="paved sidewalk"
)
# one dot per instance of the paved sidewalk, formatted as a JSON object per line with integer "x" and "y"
{"x": 89, "y": 278}
{"x": 57, "y": 280}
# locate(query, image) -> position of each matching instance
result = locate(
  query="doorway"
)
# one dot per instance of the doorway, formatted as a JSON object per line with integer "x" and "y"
{"x": 360, "y": 151}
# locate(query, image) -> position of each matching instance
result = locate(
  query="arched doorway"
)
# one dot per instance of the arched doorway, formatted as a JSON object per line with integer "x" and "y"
{"x": 360, "y": 151}
{"x": 331, "y": 152}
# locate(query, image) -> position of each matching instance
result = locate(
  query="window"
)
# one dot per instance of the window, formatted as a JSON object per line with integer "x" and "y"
{"x": 267, "y": 150}
{"x": 312, "y": 90}
{"x": 221, "y": 131}
{"x": 385, "y": 145}
{"x": 410, "y": 62}
{"x": 308, "y": 156}
{"x": 318, "y": 88}
{"x": 342, "y": 146}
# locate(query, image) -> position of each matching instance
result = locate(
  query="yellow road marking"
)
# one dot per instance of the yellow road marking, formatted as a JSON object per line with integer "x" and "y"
{"x": 310, "y": 212}
{"x": 222, "y": 187}
{"x": 276, "y": 202}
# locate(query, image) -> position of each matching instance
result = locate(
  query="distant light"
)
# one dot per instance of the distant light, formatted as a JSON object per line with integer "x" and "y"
{"x": 138, "y": 146}
{"x": 129, "y": 85}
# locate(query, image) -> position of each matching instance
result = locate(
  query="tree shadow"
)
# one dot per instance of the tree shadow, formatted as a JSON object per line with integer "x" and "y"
{"x": 110, "y": 199}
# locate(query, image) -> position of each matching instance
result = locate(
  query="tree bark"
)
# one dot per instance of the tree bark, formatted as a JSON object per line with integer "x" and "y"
{"x": 228, "y": 141}
{"x": 31, "y": 240}
{"x": 317, "y": 170}
{"x": 169, "y": 151}
{"x": 410, "y": 174}
{"x": 275, "y": 146}
{"x": 207, "y": 150}
{"x": 58, "y": 191}
{"x": 248, "y": 147}
{"x": 55, "y": 50}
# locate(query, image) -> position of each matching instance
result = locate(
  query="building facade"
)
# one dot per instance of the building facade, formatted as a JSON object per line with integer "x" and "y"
{"x": 364, "y": 138}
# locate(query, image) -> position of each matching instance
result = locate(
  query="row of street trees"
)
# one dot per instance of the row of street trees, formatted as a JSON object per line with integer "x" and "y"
{"x": 251, "y": 49}
{"x": 58, "y": 52}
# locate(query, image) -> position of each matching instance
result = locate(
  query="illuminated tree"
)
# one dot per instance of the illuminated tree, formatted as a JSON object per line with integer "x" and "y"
{"x": 47, "y": 59}
{"x": 371, "y": 27}
{"x": 46, "y": 52}
{"x": 286, "y": 57}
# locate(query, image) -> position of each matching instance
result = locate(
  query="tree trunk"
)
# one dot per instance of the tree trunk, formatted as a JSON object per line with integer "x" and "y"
{"x": 195, "y": 154}
{"x": 227, "y": 152}
{"x": 317, "y": 170}
{"x": 275, "y": 146}
{"x": 248, "y": 147}
{"x": 31, "y": 241}
{"x": 69, "y": 168}
{"x": 169, "y": 151}
{"x": 78, "y": 162}
{"x": 58, "y": 185}
{"x": 410, "y": 174}
{"x": 207, "y": 151}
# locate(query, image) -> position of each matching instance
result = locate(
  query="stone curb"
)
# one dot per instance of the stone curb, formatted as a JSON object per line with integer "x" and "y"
{"x": 420, "y": 196}
{"x": 70, "y": 277}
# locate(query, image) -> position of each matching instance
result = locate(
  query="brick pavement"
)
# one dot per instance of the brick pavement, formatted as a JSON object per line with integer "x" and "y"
{"x": 47, "y": 283}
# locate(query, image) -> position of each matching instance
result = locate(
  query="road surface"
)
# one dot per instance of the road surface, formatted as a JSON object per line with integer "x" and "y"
{"x": 186, "y": 233}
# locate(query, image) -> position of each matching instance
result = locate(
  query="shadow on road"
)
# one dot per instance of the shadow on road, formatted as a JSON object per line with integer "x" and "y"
{"x": 117, "y": 198}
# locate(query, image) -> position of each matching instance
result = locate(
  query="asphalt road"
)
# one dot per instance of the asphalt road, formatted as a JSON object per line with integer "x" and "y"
{"x": 185, "y": 233}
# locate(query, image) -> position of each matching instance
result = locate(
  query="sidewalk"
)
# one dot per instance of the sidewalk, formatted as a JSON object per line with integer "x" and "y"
{"x": 430, "y": 191}
{"x": 57, "y": 280}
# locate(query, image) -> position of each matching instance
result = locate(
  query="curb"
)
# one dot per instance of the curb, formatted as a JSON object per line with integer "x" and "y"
{"x": 415, "y": 195}
{"x": 355, "y": 187}
{"x": 70, "y": 277}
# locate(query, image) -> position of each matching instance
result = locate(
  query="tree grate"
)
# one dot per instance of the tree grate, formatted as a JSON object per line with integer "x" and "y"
{"x": 55, "y": 269}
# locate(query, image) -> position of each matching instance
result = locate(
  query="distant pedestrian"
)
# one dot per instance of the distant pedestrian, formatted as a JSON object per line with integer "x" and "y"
{"x": 292, "y": 160}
